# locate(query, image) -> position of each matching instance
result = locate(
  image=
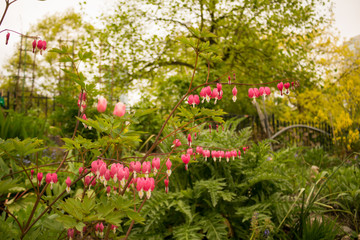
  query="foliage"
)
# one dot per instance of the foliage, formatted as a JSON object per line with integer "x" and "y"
{"x": 18, "y": 125}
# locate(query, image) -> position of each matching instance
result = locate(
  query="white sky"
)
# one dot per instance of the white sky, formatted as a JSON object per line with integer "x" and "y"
{"x": 23, "y": 13}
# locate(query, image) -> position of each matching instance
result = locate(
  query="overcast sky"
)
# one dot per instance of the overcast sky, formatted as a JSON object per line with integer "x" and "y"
{"x": 23, "y": 13}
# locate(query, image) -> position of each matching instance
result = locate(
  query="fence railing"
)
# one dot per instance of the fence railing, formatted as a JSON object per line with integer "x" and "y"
{"x": 299, "y": 133}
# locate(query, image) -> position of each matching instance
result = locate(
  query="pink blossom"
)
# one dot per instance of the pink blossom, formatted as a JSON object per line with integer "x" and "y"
{"x": 267, "y": 91}
{"x": 189, "y": 140}
{"x": 251, "y": 93}
{"x": 108, "y": 190}
{"x": 70, "y": 233}
{"x": 146, "y": 168}
{"x": 168, "y": 166}
{"x": 156, "y": 165}
{"x": 44, "y": 45}
{"x": 176, "y": 143}
{"x": 287, "y": 86}
{"x": 7, "y": 38}
{"x": 215, "y": 94}
{"x": 113, "y": 172}
{"x": 234, "y": 92}
{"x": 166, "y": 182}
{"x": 40, "y": 177}
{"x": 102, "y": 103}
{"x": 280, "y": 87}
{"x": 261, "y": 91}
{"x": 186, "y": 160}
{"x": 219, "y": 87}
{"x": 119, "y": 109}
{"x": 206, "y": 154}
{"x": 228, "y": 155}
{"x": 196, "y": 100}
{"x": 199, "y": 150}
{"x": 34, "y": 45}
{"x": 113, "y": 227}
{"x": 68, "y": 183}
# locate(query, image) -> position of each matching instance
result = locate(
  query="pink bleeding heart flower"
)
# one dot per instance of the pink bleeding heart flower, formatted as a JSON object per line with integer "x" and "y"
{"x": 199, "y": 150}
{"x": 206, "y": 154}
{"x": 189, "y": 140}
{"x": 51, "y": 178}
{"x": 7, "y": 38}
{"x": 102, "y": 103}
{"x": 113, "y": 228}
{"x": 140, "y": 183}
{"x": 214, "y": 155}
{"x": 196, "y": 100}
{"x": 267, "y": 91}
{"x": 40, "y": 44}
{"x": 256, "y": 92}
{"x": 186, "y": 160}
{"x": 229, "y": 79}
{"x": 107, "y": 177}
{"x": 221, "y": 155}
{"x": 68, "y": 184}
{"x": 280, "y": 87}
{"x": 292, "y": 86}
{"x": 135, "y": 167}
{"x": 220, "y": 95}
{"x": 99, "y": 229}
{"x": 39, "y": 177}
{"x": 203, "y": 94}
{"x": 228, "y": 155}
{"x": 156, "y": 165}
{"x": 108, "y": 190}
{"x": 239, "y": 153}
{"x": 70, "y": 233}
{"x": 34, "y": 45}
{"x": 119, "y": 109}
{"x": 287, "y": 86}
{"x": 208, "y": 93}
{"x": 149, "y": 187}
{"x": 82, "y": 102}
{"x": 176, "y": 143}
{"x": 251, "y": 93}
{"x": 95, "y": 167}
{"x": 191, "y": 99}
{"x": 261, "y": 91}
{"x": 189, "y": 151}
{"x": 114, "y": 171}
{"x": 233, "y": 154}
{"x": 166, "y": 182}
{"x": 168, "y": 166}
{"x": 219, "y": 87}
{"x": 146, "y": 168}
{"x": 85, "y": 118}
{"x": 234, "y": 92}
{"x": 215, "y": 94}
{"x": 102, "y": 171}
{"x": 32, "y": 173}
{"x": 44, "y": 45}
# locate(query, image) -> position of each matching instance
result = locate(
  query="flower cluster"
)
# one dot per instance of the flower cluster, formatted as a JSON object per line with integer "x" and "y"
{"x": 206, "y": 93}
{"x": 282, "y": 85}
{"x": 41, "y": 45}
{"x": 255, "y": 93}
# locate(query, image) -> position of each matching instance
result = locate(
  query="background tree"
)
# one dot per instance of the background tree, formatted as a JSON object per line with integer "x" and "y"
{"x": 257, "y": 40}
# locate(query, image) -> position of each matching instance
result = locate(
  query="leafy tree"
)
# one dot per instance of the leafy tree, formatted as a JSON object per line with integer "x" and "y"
{"x": 257, "y": 40}
{"x": 336, "y": 98}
